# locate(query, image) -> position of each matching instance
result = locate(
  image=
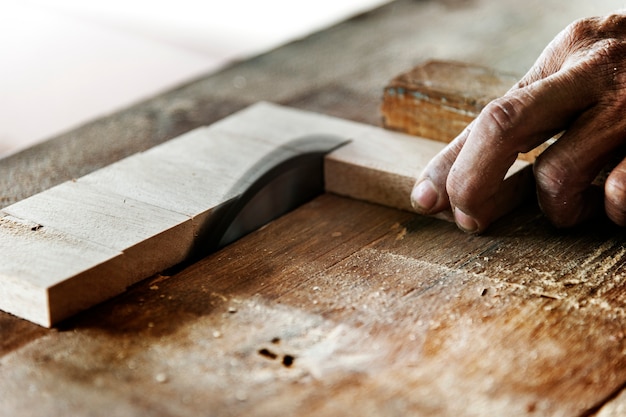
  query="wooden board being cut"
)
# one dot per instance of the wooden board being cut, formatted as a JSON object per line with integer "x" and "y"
{"x": 95, "y": 236}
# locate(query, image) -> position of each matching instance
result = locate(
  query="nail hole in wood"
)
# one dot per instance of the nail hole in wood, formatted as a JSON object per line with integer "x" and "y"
{"x": 268, "y": 354}
{"x": 288, "y": 360}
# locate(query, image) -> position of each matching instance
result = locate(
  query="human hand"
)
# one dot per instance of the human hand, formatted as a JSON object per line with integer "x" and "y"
{"x": 578, "y": 87}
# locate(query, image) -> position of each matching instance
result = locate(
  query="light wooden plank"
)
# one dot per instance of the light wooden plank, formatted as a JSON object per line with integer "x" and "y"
{"x": 94, "y": 215}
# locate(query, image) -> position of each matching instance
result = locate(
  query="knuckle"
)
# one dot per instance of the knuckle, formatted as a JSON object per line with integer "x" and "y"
{"x": 580, "y": 26}
{"x": 582, "y": 30}
{"x": 596, "y": 41}
{"x": 612, "y": 23}
{"x": 500, "y": 115}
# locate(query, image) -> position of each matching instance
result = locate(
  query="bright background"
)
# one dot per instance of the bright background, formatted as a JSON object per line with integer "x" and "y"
{"x": 65, "y": 62}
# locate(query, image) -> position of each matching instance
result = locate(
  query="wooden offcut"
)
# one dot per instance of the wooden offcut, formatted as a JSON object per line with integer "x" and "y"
{"x": 438, "y": 99}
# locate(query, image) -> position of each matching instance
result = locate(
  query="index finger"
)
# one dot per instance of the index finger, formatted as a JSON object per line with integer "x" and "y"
{"x": 518, "y": 122}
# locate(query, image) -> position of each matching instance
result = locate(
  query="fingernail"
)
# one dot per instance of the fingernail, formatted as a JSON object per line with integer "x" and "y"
{"x": 465, "y": 222}
{"x": 424, "y": 196}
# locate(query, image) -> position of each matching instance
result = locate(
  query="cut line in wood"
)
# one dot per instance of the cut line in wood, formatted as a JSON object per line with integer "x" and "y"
{"x": 84, "y": 241}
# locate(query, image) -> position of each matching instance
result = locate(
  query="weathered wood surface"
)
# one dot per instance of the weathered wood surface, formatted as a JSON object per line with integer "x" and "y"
{"x": 343, "y": 305}
{"x": 525, "y": 320}
{"x": 438, "y": 99}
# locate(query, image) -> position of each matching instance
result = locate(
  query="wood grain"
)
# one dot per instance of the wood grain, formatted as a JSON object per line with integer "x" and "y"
{"x": 379, "y": 166}
{"x": 438, "y": 99}
{"x": 342, "y": 305}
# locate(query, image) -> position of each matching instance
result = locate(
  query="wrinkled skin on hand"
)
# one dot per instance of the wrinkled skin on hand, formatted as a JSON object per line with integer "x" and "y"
{"x": 578, "y": 87}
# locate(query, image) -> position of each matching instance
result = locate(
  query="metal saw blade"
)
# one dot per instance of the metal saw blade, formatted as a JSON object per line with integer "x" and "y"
{"x": 278, "y": 183}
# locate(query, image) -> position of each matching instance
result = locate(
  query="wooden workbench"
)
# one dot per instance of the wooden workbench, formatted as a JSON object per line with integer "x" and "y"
{"x": 340, "y": 307}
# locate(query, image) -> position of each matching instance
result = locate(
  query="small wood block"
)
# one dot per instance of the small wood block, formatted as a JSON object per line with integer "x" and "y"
{"x": 438, "y": 99}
